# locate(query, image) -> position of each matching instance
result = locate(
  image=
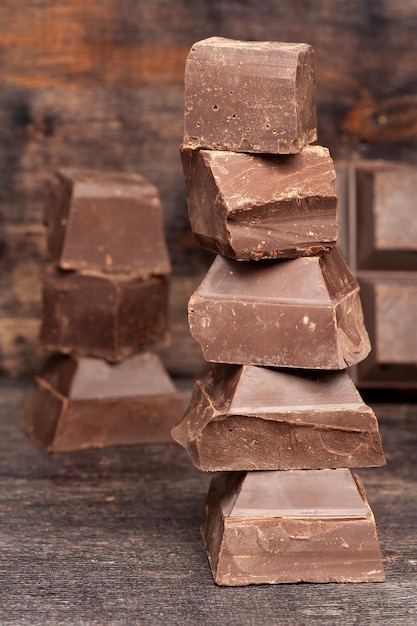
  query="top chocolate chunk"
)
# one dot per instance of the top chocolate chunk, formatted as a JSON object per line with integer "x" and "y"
{"x": 250, "y": 96}
{"x": 106, "y": 221}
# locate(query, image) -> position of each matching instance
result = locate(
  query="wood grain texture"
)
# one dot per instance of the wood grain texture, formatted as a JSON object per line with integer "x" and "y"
{"x": 100, "y": 84}
{"x": 112, "y": 537}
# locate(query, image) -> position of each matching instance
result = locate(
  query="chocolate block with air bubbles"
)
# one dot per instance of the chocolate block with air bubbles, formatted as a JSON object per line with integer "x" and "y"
{"x": 285, "y": 527}
{"x": 251, "y": 207}
{"x": 257, "y": 418}
{"x": 89, "y": 403}
{"x": 249, "y": 96}
{"x": 301, "y": 313}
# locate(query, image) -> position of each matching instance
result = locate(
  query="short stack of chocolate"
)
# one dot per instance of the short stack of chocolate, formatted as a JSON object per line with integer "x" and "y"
{"x": 279, "y": 315}
{"x": 105, "y": 304}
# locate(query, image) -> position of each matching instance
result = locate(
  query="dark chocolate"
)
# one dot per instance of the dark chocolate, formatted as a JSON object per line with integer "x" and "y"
{"x": 251, "y": 207}
{"x": 285, "y": 527}
{"x": 109, "y": 316}
{"x": 88, "y": 403}
{"x": 302, "y": 313}
{"x": 106, "y": 221}
{"x": 248, "y": 96}
{"x": 256, "y": 418}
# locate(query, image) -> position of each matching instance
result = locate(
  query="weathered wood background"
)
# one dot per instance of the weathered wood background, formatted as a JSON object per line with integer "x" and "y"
{"x": 100, "y": 83}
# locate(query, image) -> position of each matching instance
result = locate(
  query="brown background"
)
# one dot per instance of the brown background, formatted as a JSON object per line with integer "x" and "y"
{"x": 99, "y": 83}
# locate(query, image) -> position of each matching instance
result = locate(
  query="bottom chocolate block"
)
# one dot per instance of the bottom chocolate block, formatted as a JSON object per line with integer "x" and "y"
{"x": 89, "y": 403}
{"x": 290, "y": 526}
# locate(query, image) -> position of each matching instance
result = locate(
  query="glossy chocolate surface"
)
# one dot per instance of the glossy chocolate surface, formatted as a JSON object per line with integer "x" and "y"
{"x": 250, "y": 207}
{"x": 302, "y": 313}
{"x": 295, "y": 526}
{"x": 257, "y": 418}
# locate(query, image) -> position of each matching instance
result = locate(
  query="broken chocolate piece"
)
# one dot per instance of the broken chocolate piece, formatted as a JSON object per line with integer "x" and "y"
{"x": 255, "y": 418}
{"x": 248, "y": 96}
{"x": 109, "y": 316}
{"x": 106, "y": 221}
{"x": 302, "y": 313}
{"x": 88, "y": 403}
{"x": 251, "y": 207}
{"x": 284, "y": 527}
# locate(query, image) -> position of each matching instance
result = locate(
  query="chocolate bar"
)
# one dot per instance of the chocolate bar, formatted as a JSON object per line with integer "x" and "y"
{"x": 379, "y": 226}
{"x": 285, "y": 527}
{"x": 302, "y": 313}
{"x": 106, "y": 221}
{"x": 386, "y": 226}
{"x": 257, "y": 418}
{"x": 89, "y": 403}
{"x": 250, "y": 96}
{"x": 109, "y": 316}
{"x": 387, "y": 298}
{"x": 251, "y": 207}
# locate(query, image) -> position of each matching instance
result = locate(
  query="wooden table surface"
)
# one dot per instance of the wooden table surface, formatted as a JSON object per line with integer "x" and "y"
{"x": 112, "y": 537}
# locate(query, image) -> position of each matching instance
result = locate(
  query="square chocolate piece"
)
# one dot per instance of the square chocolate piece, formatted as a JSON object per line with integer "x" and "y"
{"x": 302, "y": 313}
{"x": 286, "y": 527}
{"x": 258, "y": 418}
{"x": 109, "y": 316}
{"x": 248, "y": 96}
{"x": 252, "y": 206}
{"x": 378, "y": 220}
{"x": 389, "y": 304}
{"x": 88, "y": 403}
{"x": 106, "y": 221}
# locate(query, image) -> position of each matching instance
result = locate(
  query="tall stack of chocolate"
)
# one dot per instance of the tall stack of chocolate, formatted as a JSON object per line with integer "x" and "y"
{"x": 105, "y": 303}
{"x": 279, "y": 315}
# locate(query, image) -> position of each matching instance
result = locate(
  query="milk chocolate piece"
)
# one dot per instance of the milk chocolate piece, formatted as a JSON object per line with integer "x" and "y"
{"x": 109, "y": 316}
{"x": 106, "y": 221}
{"x": 390, "y": 304}
{"x": 302, "y": 313}
{"x": 255, "y": 418}
{"x": 285, "y": 527}
{"x": 386, "y": 215}
{"x": 379, "y": 226}
{"x": 251, "y": 207}
{"x": 248, "y": 96}
{"x": 88, "y": 403}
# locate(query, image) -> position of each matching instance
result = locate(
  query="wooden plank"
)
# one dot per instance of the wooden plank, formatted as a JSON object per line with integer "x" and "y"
{"x": 112, "y": 537}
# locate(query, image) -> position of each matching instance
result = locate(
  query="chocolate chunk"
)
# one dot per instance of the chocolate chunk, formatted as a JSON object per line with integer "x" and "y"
{"x": 379, "y": 226}
{"x": 109, "y": 316}
{"x": 376, "y": 200}
{"x": 248, "y": 96}
{"x": 385, "y": 198}
{"x": 255, "y": 418}
{"x": 390, "y": 303}
{"x": 284, "y": 527}
{"x": 88, "y": 403}
{"x": 248, "y": 206}
{"x": 106, "y": 221}
{"x": 302, "y": 313}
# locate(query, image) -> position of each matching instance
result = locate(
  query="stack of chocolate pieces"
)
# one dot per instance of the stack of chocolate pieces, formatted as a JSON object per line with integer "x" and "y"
{"x": 279, "y": 315}
{"x": 105, "y": 304}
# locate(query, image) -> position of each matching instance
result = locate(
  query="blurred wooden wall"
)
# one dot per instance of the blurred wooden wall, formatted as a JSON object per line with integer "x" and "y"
{"x": 100, "y": 83}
